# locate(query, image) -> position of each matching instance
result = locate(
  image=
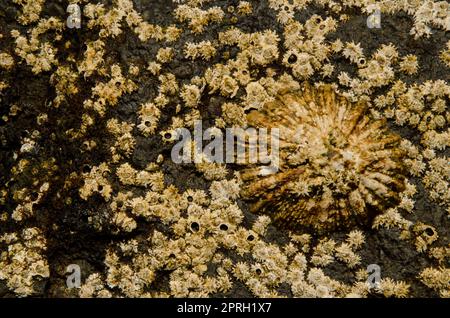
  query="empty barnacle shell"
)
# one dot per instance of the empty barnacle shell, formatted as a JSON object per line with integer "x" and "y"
{"x": 337, "y": 167}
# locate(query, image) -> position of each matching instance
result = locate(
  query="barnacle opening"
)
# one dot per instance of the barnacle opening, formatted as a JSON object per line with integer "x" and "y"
{"x": 292, "y": 58}
{"x": 195, "y": 227}
{"x": 429, "y": 231}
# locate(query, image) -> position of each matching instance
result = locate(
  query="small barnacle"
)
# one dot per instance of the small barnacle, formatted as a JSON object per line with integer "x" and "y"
{"x": 196, "y": 197}
{"x": 168, "y": 135}
{"x": 149, "y": 117}
{"x": 161, "y": 100}
{"x": 233, "y": 114}
{"x": 124, "y": 222}
{"x": 439, "y": 105}
{"x": 390, "y": 288}
{"x": 337, "y": 46}
{"x": 445, "y": 55}
{"x": 323, "y": 253}
{"x": 3, "y": 85}
{"x": 204, "y": 49}
{"x": 191, "y": 95}
{"x": 256, "y": 96}
{"x": 169, "y": 84}
{"x": 154, "y": 68}
{"x": 415, "y": 166}
{"x": 212, "y": 170}
{"x": 353, "y": 52}
{"x": 165, "y": 55}
{"x": 3, "y": 217}
{"x": 244, "y": 8}
{"x": 351, "y": 163}
{"x": 261, "y": 224}
{"x": 229, "y": 86}
{"x": 285, "y": 14}
{"x": 6, "y": 61}
{"x": 355, "y": 239}
{"x": 172, "y": 33}
{"x": 301, "y": 63}
{"x": 437, "y": 279}
{"x": 344, "y": 79}
{"x": 303, "y": 240}
{"x": 242, "y": 74}
{"x": 126, "y": 174}
{"x": 345, "y": 254}
{"x": 133, "y": 70}
{"x": 327, "y": 70}
{"x": 406, "y": 203}
{"x": 409, "y": 64}
{"x": 425, "y": 236}
{"x": 224, "y": 189}
{"x": 386, "y": 54}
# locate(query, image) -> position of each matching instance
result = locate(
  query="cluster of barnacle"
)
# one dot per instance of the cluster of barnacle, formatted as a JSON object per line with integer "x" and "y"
{"x": 23, "y": 264}
{"x": 93, "y": 59}
{"x": 437, "y": 279}
{"x": 149, "y": 115}
{"x": 430, "y": 12}
{"x": 204, "y": 49}
{"x": 95, "y": 181}
{"x": 64, "y": 80}
{"x": 433, "y": 169}
{"x": 6, "y": 61}
{"x": 144, "y": 178}
{"x": 104, "y": 94}
{"x": 378, "y": 71}
{"x": 426, "y": 14}
{"x": 110, "y": 22}
{"x": 445, "y": 54}
{"x": 339, "y": 162}
{"x": 41, "y": 56}
{"x": 424, "y": 108}
{"x": 306, "y": 47}
{"x": 30, "y": 181}
{"x": 203, "y": 225}
{"x": 123, "y": 139}
{"x": 31, "y": 9}
{"x": 198, "y": 19}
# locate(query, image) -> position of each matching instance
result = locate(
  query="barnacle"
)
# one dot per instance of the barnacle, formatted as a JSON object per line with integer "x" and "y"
{"x": 337, "y": 166}
{"x": 6, "y": 61}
